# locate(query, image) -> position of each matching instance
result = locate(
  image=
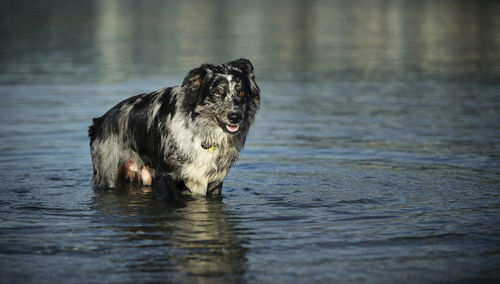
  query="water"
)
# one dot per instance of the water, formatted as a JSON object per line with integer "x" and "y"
{"x": 375, "y": 156}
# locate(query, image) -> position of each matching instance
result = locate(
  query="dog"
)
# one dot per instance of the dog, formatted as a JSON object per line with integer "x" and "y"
{"x": 181, "y": 139}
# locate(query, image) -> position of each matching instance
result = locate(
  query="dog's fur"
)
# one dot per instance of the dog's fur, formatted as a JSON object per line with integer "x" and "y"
{"x": 182, "y": 138}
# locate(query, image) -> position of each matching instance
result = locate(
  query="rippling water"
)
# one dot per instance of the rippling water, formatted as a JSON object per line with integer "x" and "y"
{"x": 375, "y": 156}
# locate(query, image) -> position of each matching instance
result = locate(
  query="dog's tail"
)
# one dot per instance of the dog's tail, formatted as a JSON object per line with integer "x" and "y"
{"x": 92, "y": 132}
{"x": 93, "y": 128}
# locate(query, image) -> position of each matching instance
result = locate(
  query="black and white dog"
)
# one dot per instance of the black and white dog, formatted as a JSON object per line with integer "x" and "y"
{"x": 183, "y": 138}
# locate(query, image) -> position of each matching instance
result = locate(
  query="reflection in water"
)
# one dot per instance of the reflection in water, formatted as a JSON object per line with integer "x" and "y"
{"x": 116, "y": 40}
{"x": 112, "y": 26}
{"x": 364, "y": 39}
{"x": 198, "y": 240}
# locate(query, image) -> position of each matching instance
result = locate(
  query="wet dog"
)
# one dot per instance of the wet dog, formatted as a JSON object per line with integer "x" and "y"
{"x": 178, "y": 139}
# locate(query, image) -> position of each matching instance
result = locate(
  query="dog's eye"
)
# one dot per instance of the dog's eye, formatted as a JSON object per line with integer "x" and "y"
{"x": 241, "y": 93}
{"x": 217, "y": 93}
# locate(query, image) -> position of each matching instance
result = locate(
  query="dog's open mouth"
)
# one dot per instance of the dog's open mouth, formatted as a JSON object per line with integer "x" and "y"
{"x": 233, "y": 128}
{"x": 229, "y": 128}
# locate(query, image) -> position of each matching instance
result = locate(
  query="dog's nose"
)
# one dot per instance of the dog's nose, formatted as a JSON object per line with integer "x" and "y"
{"x": 234, "y": 117}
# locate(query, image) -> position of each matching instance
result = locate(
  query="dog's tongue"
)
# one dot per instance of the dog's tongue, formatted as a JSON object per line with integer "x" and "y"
{"x": 232, "y": 128}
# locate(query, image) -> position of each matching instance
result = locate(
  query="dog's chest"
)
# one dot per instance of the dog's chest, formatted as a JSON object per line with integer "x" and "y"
{"x": 205, "y": 167}
{"x": 200, "y": 166}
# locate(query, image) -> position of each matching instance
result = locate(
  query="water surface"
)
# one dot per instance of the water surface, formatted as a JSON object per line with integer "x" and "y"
{"x": 375, "y": 156}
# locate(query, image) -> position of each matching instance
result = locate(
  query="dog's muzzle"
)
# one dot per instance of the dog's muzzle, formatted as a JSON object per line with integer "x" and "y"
{"x": 233, "y": 126}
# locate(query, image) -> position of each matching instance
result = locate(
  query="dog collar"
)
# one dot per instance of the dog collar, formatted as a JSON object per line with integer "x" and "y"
{"x": 210, "y": 149}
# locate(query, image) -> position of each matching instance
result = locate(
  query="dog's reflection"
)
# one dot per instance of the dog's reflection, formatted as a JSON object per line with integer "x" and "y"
{"x": 197, "y": 241}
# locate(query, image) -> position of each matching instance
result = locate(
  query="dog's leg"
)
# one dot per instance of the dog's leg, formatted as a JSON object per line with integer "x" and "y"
{"x": 214, "y": 191}
{"x": 166, "y": 188}
{"x": 142, "y": 173}
{"x": 126, "y": 174}
{"x": 130, "y": 173}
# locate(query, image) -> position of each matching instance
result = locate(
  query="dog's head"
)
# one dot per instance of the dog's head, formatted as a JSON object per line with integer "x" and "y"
{"x": 226, "y": 95}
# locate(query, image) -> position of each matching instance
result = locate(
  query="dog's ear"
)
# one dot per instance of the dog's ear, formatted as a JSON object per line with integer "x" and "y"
{"x": 243, "y": 64}
{"x": 194, "y": 79}
{"x": 246, "y": 66}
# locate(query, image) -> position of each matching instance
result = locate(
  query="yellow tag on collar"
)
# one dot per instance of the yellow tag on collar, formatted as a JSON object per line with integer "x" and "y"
{"x": 212, "y": 148}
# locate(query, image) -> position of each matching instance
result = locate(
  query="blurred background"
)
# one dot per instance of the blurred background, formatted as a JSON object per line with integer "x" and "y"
{"x": 375, "y": 156}
{"x": 308, "y": 40}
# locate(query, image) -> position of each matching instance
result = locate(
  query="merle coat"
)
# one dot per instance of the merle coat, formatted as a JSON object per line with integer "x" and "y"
{"x": 187, "y": 137}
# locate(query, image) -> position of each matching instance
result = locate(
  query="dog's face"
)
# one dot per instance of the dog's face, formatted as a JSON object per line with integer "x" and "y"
{"x": 226, "y": 95}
